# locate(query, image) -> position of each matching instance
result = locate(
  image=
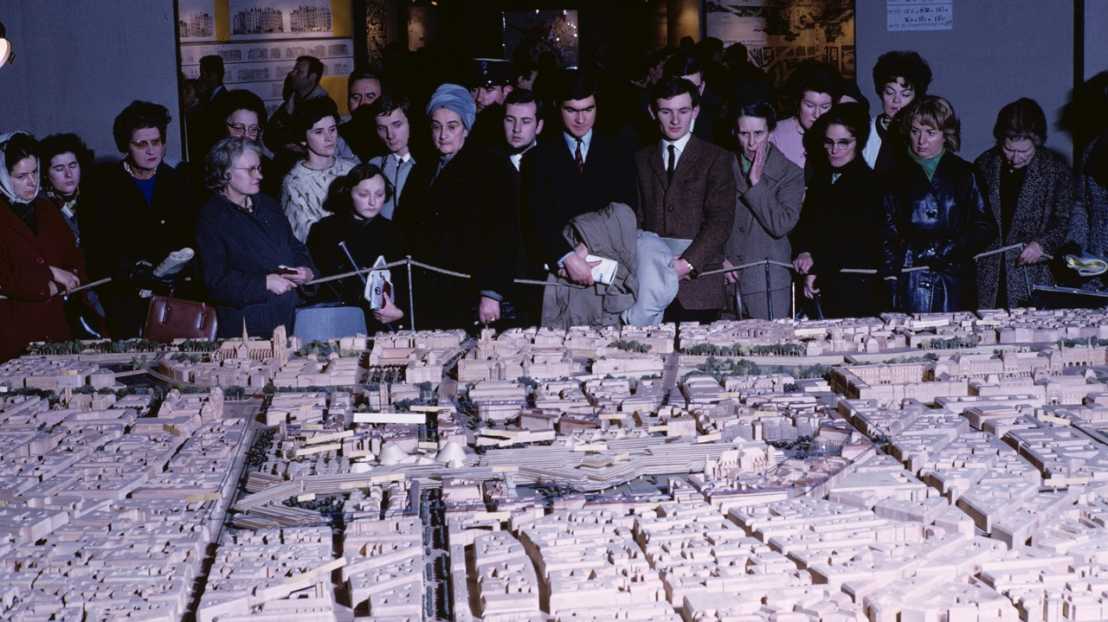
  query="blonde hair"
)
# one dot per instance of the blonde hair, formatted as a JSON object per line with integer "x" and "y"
{"x": 934, "y": 112}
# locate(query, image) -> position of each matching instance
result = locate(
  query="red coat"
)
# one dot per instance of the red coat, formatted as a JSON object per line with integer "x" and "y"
{"x": 28, "y": 312}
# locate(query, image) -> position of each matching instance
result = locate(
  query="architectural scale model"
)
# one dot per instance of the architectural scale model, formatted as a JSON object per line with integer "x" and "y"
{"x": 949, "y": 467}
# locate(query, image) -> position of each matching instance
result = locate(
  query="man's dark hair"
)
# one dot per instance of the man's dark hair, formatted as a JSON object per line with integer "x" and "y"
{"x": 20, "y": 147}
{"x": 212, "y": 64}
{"x": 139, "y": 115}
{"x": 309, "y": 113}
{"x": 672, "y": 87}
{"x": 387, "y": 102}
{"x": 1023, "y": 118}
{"x": 817, "y": 77}
{"x": 756, "y": 108}
{"x": 524, "y": 96}
{"x": 902, "y": 64}
{"x": 56, "y": 144}
{"x": 314, "y": 65}
{"x": 361, "y": 74}
{"x": 575, "y": 84}
{"x": 682, "y": 64}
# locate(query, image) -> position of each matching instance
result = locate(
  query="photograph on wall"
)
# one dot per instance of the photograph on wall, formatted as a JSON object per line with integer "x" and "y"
{"x": 779, "y": 34}
{"x": 261, "y": 67}
{"x": 281, "y": 19}
{"x": 196, "y": 20}
{"x": 552, "y": 30}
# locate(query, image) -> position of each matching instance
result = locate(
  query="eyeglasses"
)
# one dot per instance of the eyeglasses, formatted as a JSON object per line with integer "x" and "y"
{"x": 249, "y": 169}
{"x": 239, "y": 129}
{"x": 842, "y": 143}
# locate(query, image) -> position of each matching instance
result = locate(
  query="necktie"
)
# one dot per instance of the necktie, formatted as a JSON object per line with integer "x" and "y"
{"x": 578, "y": 158}
{"x": 396, "y": 183}
{"x": 671, "y": 165}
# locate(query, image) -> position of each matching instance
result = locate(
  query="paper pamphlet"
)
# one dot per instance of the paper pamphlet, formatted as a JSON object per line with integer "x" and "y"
{"x": 605, "y": 272}
{"x": 378, "y": 285}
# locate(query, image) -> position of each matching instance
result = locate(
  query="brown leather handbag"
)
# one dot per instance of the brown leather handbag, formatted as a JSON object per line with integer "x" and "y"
{"x": 172, "y": 318}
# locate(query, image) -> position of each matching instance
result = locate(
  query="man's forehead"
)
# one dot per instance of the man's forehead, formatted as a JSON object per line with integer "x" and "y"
{"x": 520, "y": 110}
{"x": 580, "y": 104}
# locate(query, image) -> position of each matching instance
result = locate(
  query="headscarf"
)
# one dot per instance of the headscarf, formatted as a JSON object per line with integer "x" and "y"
{"x": 456, "y": 98}
{"x": 6, "y": 187}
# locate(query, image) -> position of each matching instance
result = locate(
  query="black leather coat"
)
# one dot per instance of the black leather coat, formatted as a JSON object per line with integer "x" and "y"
{"x": 939, "y": 223}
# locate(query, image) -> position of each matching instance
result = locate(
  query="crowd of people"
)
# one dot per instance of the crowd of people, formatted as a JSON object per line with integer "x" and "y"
{"x": 614, "y": 201}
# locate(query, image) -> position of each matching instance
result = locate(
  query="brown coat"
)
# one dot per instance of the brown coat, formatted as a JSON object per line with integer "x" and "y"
{"x": 699, "y": 205}
{"x": 29, "y": 313}
{"x": 1041, "y": 215}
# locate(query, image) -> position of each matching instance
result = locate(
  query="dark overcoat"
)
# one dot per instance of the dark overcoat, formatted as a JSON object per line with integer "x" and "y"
{"x": 465, "y": 219}
{"x": 237, "y": 250}
{"x": 118, "y": 229}
{"x": 554, "y": 192}
{"x": 840, "y": 228}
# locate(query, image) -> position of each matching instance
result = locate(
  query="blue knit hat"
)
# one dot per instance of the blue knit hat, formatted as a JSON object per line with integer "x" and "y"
{"x": 456, "y": 98}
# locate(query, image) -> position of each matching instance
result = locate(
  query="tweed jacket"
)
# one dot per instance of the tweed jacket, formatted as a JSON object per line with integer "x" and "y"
{"x": 765, "y": 214}
{"x": 699, "y": 204}
{"x": 1088, "y": 226}
{"x": 1041, "y": 215}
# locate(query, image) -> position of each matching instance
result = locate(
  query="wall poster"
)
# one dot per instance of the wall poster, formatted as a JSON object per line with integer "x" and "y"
{"x": 259, "y": 41}
{"x": 781, "y": 33}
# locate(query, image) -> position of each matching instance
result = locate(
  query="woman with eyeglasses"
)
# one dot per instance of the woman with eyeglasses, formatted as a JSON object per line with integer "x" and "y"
{"x": 839, "y": 223}
{"x": 934, "y": 215}
{"x": 250, "y": 261}
{"x": 241, "y": 114}
{"x": 136, "y": 212}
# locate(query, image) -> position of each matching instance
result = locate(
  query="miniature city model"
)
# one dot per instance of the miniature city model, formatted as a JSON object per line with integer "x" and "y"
{"x": 934, "y": 467}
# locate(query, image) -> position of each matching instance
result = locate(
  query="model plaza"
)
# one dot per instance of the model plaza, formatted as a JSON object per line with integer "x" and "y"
{"x": 911, "y": 468}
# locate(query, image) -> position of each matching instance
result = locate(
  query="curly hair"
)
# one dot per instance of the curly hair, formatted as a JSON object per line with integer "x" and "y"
{"x": 139, "y": 115}
{"x": 218, "y": 163}
{"x": 239, "y": 99}
{"x": 904, "y": 64}
{"x": 57, "y": 144}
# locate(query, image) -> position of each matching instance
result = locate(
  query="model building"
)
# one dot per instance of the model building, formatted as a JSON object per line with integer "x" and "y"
{"x": 931, "y": 467}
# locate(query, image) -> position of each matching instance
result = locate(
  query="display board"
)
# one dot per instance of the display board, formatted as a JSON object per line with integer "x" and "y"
{"x": 781, "y": 33}
{"x": 259, "y": 41}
